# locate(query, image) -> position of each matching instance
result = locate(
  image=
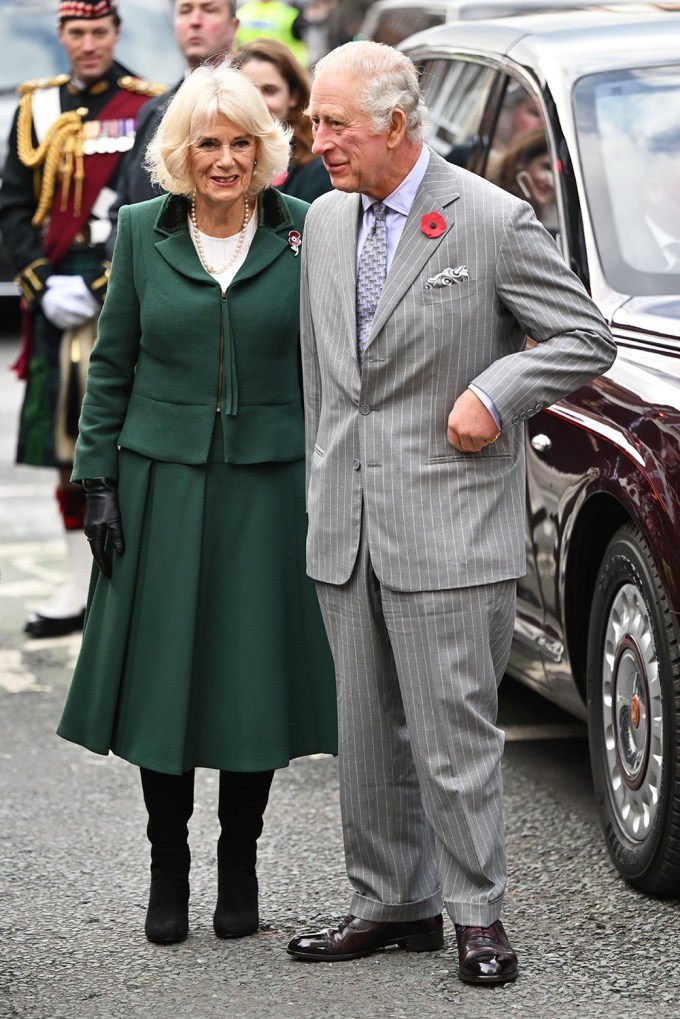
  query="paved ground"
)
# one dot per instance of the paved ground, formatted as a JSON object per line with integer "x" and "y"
{"x": 73, "y": 861}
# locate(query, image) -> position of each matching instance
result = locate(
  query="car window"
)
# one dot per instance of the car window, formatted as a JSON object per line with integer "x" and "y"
{"x": 628, "y": 131}
{"x": 519, "y": 158}
{"x": 456, "y": 92}
{"x": 518, "y": 112}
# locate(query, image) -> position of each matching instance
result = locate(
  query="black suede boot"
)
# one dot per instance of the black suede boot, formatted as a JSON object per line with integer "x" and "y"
{"x": 243, "y": 799}
{"x": 169, "y": 801}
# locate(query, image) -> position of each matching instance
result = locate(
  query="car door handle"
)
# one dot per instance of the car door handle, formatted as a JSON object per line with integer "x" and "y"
{"x": 541, "y": 443}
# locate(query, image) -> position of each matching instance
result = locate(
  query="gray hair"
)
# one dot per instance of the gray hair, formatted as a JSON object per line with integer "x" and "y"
{"x": 388, "y": 81}
{"x": 205, "y": 94}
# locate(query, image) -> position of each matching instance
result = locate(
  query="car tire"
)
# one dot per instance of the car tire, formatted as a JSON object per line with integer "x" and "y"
{"x": 633, "y": 680}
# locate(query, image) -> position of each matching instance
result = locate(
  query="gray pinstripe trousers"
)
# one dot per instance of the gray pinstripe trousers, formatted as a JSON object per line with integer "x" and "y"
{"x": 420, "y": 754}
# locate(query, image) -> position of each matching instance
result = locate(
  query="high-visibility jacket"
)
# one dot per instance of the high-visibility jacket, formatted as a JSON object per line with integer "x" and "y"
{"x": 271, "y": 20}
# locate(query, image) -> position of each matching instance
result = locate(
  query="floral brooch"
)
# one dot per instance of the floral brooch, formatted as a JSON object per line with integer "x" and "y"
{"x": 295, "y": 240}
{"x": 432, "y": 224}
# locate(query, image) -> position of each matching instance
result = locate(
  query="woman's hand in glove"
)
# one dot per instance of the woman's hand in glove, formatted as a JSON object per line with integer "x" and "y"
{"x": 102, "y": 515}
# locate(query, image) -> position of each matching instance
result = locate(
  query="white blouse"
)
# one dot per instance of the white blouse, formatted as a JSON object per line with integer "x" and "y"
{"x": 218, "y": 250}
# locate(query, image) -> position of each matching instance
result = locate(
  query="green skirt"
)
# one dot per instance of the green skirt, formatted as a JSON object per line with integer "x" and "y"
{"x": 206, "y": 648}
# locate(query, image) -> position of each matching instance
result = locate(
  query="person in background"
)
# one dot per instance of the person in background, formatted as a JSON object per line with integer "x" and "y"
{"x": 519, "y": 114}
{"x": 203, "y": 643}
{"x": 61, "y": 174}
{"x": 284, "y": 85}
{"x": 203, "y": 29}
{"x": 420, "y": 283}
{"x": 525, "y": 170}
{"x": 273, "y": 19}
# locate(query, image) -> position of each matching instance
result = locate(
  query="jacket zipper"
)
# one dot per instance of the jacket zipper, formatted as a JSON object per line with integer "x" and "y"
{"x": 220, "y": 374}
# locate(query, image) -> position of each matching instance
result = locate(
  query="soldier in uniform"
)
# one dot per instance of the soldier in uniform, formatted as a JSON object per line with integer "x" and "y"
{"x": 68, "y": 136}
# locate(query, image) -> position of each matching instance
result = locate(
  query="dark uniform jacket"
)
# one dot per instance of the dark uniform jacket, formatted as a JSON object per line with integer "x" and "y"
{"x": 18, "y": 196}
{"x": 134, "y": 183}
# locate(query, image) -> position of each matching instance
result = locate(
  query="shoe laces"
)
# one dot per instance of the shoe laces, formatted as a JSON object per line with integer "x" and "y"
{"x": 483, "y": 934}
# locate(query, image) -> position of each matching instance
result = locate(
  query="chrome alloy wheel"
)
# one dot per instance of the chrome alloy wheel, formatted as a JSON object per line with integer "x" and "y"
{"x": 632, "y": 713}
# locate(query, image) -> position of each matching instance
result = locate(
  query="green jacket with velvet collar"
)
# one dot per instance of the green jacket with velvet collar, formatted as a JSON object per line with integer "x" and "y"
{"x": 171, "y": 348}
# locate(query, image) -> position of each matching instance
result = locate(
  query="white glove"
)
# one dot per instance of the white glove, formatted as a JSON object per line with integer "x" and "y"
{"x": 68, "y": 302}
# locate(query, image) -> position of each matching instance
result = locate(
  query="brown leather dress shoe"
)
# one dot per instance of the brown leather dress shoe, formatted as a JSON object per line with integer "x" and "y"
{"x": 485, "y": 955}
{"x": 354, "y": 937}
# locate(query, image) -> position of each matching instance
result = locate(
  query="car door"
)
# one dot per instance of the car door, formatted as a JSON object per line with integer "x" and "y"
{"x": 477, "y": 114}
{"x": 514, "y": 122}
{"x": 519, "y": 157}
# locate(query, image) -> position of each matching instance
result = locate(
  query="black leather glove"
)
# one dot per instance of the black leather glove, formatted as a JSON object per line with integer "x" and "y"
{"x": 101, "y": 515}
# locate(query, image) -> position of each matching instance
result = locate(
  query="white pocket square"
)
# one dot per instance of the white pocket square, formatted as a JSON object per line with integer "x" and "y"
{"x": 448, "y": 276}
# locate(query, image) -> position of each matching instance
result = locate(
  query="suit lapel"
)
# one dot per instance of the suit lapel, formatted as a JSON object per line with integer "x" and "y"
{"x": 346, "y": 267}
{"x": 178, "y": 251}
{"x": 437, "y": 193}
{"x": 266, "y": 246}
{"x": 177, "y": 247}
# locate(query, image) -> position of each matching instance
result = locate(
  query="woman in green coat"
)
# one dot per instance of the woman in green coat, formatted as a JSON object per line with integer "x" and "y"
{"x": 203, "y": 643}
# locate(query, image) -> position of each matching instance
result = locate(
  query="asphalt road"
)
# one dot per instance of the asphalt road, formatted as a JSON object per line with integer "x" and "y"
{"x": 73, "y": 859}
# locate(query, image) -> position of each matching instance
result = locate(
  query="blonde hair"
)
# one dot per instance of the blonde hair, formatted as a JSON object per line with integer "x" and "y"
{"x": 194, "y": 109}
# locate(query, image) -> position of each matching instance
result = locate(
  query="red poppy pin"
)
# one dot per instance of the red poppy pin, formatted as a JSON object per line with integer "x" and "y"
{"x": 295, "y": 240}
{"x": 432, "y": 224}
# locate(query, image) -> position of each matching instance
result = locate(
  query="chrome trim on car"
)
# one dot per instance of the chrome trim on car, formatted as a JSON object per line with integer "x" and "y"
{"x": 599, "y": 427}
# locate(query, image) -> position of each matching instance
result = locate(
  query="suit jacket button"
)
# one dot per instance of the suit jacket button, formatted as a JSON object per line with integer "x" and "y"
{"x": 364, "y": 409}
{"x": 356, "y": 464}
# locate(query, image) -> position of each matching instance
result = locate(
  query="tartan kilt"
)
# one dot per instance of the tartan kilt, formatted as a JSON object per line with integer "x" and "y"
{"x": 48, "y": 385}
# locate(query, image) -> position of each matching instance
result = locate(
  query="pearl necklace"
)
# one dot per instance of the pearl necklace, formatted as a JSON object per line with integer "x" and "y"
{"x": 199, "y": 246}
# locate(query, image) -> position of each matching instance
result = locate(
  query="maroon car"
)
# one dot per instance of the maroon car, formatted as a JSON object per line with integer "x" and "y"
{"x": 579, "y": 113}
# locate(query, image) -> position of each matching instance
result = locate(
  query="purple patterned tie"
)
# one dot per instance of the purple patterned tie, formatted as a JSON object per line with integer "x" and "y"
{"x": 371, "y": 277}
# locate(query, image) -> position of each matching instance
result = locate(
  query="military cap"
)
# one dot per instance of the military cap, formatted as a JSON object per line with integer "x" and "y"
{"x": 85, "y": 9}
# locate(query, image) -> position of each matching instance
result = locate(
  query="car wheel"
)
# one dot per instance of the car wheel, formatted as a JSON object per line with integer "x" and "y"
{"x": 634, "y": 715}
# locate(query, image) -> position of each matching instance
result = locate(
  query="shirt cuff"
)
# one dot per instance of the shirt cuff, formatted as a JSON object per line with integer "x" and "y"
{"x": 488, "y": 403}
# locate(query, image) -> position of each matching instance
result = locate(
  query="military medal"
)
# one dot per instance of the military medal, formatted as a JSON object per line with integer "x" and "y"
{"x": 102, "y": 136}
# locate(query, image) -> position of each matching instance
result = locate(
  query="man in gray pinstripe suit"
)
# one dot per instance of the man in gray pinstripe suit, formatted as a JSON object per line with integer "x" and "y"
{"x": 416, "y": 498}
